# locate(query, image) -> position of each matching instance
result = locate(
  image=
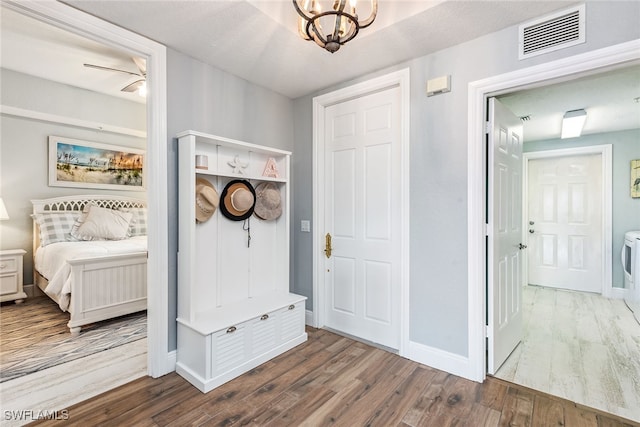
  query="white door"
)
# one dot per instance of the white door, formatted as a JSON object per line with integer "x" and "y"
{"x": 565, "y": 222}
{"x": 504, "y": 296}
{"x": 362, "y": 216}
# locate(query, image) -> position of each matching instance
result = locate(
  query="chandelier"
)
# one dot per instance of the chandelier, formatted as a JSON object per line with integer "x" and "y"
{"x": 331, "y": 28}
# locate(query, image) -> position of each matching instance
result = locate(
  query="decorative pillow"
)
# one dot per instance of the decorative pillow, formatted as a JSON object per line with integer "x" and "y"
{"x": 55, "y": 226}
{"x": 101, "y": 224}
{"x": 138, "y": 225}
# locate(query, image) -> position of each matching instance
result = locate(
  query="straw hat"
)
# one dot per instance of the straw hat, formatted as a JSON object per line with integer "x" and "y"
{"x": 268, "y": 203}
{"x": 238, "y": 200}
{"x": 207, "y": 199}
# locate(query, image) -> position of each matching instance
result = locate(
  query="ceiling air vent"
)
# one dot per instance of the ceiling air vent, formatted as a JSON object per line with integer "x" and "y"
{"x": 552, "y": 32}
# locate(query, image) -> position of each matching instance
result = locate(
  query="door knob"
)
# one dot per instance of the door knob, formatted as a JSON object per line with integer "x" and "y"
{"x": 521, "y": 246}
{"x": 327, "y": 245}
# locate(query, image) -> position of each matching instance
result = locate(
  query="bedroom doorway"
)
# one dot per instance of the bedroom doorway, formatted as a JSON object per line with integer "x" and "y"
{"x": 156, "y": 361}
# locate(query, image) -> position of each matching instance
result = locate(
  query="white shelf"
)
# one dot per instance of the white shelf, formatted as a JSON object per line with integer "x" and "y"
{"x": 232, "y": 143}
{"x": 238, "y": 176}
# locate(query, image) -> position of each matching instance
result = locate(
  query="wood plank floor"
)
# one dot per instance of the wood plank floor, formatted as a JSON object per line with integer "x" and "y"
{"x": 579, "y": 346}
{"x": 333, "y": 381}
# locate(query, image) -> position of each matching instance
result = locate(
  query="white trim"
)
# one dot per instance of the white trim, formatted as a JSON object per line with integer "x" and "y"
{"x": 401, "y": 79}
{"x": 434, "y": 357}
{"x": 605, "y": 152}
{"x": 66, "y": 17}
{"x": 476, "y": 179}
{"x": 619, "y": 293}
{"x": 70, "y": 121}
{"x": 308, "y": 318}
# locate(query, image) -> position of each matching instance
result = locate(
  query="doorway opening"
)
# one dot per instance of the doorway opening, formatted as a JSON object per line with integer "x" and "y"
{"x": 567, "y": 69}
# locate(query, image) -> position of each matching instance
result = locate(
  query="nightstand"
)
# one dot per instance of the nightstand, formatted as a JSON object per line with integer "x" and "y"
{"x": 11, "y": 276}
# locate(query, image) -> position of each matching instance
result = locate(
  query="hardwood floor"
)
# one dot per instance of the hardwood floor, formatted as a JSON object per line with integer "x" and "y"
{"x": 579, "y": 346}
{"x": 333, "y": 380}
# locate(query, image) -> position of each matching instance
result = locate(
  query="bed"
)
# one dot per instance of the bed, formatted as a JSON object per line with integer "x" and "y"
{"x": 93, "y": 278}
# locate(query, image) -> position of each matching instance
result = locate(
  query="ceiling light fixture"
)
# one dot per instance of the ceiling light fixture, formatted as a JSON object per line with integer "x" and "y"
{"x": 572, "y": 123}
{"x": 341, "y": 19}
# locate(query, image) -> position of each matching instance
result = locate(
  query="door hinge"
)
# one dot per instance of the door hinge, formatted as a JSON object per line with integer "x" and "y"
{"x": 487, "y": 331}
{"x": 487, "y": 229}
{"x": 487, "y": 127}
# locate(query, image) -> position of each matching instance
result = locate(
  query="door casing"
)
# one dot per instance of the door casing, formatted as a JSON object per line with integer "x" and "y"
{"x": 605, "y": 152}
{"x": 401, "y": 79}
{"x": 478, "y": 92}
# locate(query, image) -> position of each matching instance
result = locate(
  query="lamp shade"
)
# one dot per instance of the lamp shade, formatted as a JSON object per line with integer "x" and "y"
{"x": 3, "y": 211}
{"x": 572, "y": 123}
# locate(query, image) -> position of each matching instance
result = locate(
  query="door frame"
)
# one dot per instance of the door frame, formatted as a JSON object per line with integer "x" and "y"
{"x": 159, "y": 360}
{"x": 400, "y": 79}
{"x": 478, "y": 92}
{"x": 606, "y": 227}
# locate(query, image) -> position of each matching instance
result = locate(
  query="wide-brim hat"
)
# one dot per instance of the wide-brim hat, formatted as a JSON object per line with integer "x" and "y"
{"x": 238, "y": 200}
{"x": 207, "y": 199}
{"x": 268, "y": 201}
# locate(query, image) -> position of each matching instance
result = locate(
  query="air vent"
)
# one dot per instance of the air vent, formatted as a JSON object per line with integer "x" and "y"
{"x": 552, "y": 32}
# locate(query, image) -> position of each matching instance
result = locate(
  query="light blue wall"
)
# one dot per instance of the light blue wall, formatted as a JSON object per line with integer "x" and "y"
{"x": 438, "y": 161}
{"x": 625, "y": 210}
{"x": 24, "y": 146}
{"x": 206, "y": 99}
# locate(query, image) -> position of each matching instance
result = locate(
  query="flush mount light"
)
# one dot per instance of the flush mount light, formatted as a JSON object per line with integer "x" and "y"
{"x": 572, "y": 123}
{"x": 331, "y": 26}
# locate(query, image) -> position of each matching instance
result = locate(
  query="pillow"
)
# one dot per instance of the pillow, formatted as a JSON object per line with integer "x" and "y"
{"x": 138, "y": 225}
{"x": 55, "y": 226}
{"x": 101, "y": 224}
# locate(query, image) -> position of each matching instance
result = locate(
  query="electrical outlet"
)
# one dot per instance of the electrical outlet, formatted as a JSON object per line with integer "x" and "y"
{"x": 305, "y": 225}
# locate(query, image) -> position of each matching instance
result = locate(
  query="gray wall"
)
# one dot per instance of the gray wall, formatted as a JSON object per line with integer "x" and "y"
{"x": 206, "y": 99}
{"x": 24, "y": 146}
{"x": 438, "y": 152}
{"x": 625, "y": 210}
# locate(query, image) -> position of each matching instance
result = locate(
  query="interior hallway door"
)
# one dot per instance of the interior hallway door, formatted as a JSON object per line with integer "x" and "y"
{"x": 504, "y": 299}
{"x": 565, "y": 222}
{"x": 362, "y": 217}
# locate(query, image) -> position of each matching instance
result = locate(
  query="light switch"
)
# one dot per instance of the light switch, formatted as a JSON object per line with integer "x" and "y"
{"x": 305, "y": 225}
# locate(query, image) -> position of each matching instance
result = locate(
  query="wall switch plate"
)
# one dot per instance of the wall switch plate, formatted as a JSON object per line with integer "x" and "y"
{"x": 305, "y": 225}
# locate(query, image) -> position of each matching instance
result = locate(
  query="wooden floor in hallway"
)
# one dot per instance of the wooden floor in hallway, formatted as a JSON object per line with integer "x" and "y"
{"x": 331, "y": 380}
{"x": 579, "y": 346}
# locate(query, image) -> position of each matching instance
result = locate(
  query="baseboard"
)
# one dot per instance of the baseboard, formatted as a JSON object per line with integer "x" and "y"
{"x": 171, "y": 360}
{"x": 308, "y": 318}
{"x": 617, "y": 293}
{"x": 440, "y": 359}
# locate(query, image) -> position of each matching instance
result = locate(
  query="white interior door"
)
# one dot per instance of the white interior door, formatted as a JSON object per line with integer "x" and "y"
{"x": 565, "y": 222}
{"x": 362, "y": 215}
{"x": 504, "y": 296}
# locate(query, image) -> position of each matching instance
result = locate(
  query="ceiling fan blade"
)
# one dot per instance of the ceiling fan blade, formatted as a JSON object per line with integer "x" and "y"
{"x": 100, "y": 67}
{"x": 133, "y": 86}
{"x": 141, "y": 64}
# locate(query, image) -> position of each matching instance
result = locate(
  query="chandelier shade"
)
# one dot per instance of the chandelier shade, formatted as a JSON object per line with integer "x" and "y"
{"x": 331, "y": 27}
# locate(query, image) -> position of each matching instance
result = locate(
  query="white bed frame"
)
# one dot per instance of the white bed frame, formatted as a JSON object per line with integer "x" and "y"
{"x": 101, "y": 287}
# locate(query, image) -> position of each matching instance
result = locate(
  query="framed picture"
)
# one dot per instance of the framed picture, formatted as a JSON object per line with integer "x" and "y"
{"x": 635, "y": 178}
{"x": 83, "y": 164}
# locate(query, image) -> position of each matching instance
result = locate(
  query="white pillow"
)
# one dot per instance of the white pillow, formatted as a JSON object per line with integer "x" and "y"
{"x": 102, "y": 224}
{"x": 55, "y": 226}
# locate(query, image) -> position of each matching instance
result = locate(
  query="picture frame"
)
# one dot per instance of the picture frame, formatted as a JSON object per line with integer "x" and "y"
{"x": 635, "y": 178}
{"x": 85, "y": 164}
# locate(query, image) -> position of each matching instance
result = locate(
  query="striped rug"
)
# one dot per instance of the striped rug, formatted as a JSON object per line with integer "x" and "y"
{"x": 34, "y": 336}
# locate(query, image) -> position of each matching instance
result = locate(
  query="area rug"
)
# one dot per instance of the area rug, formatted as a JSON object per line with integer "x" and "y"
{"x": 34, "y": 336}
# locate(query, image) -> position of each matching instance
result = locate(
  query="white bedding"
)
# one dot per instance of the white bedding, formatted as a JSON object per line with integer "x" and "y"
{"x": 51, "y": 261}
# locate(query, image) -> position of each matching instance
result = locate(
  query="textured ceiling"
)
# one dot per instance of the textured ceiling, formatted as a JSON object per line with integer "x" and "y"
{"x": 264, "y": 48}
{"x": 251, "y": 40}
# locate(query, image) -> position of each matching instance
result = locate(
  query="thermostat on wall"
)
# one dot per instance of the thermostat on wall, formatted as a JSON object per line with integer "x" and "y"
{"x": 439, "y": 85}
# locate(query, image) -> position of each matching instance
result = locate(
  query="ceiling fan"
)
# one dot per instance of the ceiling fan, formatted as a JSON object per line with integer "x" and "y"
{"x": 140, "y": 85}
